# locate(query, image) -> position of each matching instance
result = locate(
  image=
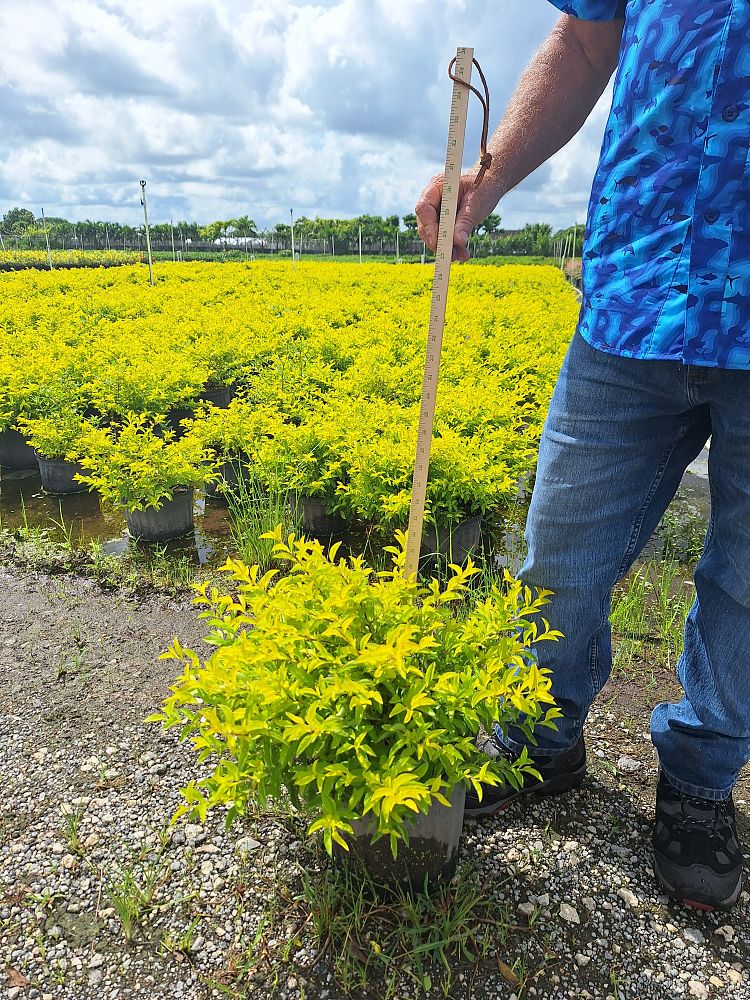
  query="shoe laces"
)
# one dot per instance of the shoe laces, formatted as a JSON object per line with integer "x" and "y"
{"x": 719, "y": 811}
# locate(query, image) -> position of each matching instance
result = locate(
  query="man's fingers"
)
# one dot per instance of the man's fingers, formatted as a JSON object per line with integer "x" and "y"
{"x": 430, "y": 235}
{"x": 465, "y": 221}
{"x": 428, "y": 216}
{"x": 427, "y": 211}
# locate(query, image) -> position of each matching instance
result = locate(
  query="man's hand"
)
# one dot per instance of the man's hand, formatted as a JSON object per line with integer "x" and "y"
{"x": 474, "y": 205}
{"x": 552, "y": 101}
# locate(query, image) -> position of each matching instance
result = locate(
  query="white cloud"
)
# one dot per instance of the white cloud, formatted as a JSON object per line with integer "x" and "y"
{"x": 252, "y": 106}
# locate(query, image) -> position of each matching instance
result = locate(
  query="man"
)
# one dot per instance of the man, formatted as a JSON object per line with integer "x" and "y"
{"x": 660, "y": 361}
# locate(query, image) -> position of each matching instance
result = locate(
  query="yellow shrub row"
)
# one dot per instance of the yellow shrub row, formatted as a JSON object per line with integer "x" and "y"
{"x": 334, "y": 353}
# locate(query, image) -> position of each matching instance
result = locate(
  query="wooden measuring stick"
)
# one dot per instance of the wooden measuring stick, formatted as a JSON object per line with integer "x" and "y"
{"x": 443, "y": 255}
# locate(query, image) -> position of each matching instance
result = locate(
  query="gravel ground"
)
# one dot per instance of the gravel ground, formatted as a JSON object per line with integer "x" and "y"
{"x": 88, "y": 791}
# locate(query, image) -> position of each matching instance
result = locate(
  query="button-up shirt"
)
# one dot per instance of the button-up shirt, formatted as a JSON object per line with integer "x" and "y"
{"x": 666, "y": 260}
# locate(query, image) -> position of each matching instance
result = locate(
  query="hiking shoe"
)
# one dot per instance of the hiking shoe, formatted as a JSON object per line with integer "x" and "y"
{"x": 697, "y": 854}
{"x": 559, "y": 773}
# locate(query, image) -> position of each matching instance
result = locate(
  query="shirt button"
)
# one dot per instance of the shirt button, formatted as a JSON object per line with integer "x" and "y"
{"x": 730, "y": 113}
{"x": 711, "y": 216}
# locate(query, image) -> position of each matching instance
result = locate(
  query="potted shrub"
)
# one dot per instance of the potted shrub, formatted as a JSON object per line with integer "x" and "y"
{"x": 233, "y": 435}
{"x": 220, "y": 357}
{"x": 152, "y": 476}
{"x": 360, "y": 695}
{"x": 15, "y": 451}
{"x": 352, "y": 460}
{"x": 162, "y": 384}
{"x": 313, "y": 459}
{"x": 56, "y": 441}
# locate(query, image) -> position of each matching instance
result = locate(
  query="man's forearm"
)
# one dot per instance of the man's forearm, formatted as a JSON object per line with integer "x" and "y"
{"x": 554, "y": 97}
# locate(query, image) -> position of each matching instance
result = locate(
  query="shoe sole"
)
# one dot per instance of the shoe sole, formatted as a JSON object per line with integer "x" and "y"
{"x": 700, "y": 903}
{"x": 553, "y": 786}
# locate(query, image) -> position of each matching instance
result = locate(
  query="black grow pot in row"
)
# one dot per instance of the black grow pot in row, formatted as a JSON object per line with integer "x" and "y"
{"x": 15, "y": 453}
{"x": 217, "y": 395}
{"x": 172, "y": 520}
{"x": 446, "y": 545}
{"x": 58, "y": 476}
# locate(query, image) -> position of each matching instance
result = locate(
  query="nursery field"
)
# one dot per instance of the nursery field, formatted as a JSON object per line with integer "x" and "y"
{"x": 21, "y": 260}
{"x": 309, "y": 378}
{"x": 263, "y": 393}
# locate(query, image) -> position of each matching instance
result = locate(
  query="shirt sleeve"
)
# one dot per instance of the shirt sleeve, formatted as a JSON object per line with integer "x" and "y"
{"x": 592, "y": 10}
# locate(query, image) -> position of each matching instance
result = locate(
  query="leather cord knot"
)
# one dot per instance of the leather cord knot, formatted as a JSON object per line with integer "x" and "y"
{"x": 485, "y": 158}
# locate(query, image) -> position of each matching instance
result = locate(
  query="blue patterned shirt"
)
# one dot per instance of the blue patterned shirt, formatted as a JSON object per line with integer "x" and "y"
{"x": 666, "y": 261}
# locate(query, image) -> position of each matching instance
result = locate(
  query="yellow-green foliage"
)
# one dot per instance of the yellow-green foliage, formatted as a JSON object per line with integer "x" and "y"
{"x": 58, "y": 436}
{"x": 20, "y": 259}
{"x": 237, "y": 430}
{"x": 332, "y": 355}
{"x": 135, "y": 468}
{"x": 358, "y": 693}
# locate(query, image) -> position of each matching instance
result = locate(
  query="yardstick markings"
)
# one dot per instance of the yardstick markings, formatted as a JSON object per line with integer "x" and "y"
{"x": 441, "y": 277}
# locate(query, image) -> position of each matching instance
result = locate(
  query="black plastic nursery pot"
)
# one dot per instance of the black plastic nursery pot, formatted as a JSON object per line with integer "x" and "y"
{"x": 229, "y": 477}
{"x": 15, "y": 453}
{"x": 174, "y": 418}
{"x": 57, "y": 476}
{"x": 218, "y": 395}
{"x": 173, "y": 519}
{"x": 316, "y": 519}
{"x": 454, "y": 544}
{"x": 428, "y": 861}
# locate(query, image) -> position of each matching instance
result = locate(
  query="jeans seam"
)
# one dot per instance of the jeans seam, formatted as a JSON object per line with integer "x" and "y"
{"x": 594, "y": 663}
{"x": 517, "y": 747}
{"x": 638, "y": 522}
{"x": 699, "y": 791}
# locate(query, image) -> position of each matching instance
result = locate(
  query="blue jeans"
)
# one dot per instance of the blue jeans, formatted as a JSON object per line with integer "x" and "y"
{"x": 618, "y": 437}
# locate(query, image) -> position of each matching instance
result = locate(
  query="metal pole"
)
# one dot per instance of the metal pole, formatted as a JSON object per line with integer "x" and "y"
{"x": 148, "y": 235}
{"x": 46, "y": 236}
{"x": 360, "y": 244}
{"x": 171, "y": 233}
{"x": 333, "y": 245}
{"x": 398, "y": 252}
{"x": 291, "y": 223}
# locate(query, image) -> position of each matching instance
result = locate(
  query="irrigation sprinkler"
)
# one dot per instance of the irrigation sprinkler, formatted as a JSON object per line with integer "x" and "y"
{"x": 46, "y": 236}
{"x": 461, "y": 77}
{"x": 148, "y": 235}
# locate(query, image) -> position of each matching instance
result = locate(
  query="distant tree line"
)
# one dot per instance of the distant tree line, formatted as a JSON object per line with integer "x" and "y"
{"x": 19, "y": 227}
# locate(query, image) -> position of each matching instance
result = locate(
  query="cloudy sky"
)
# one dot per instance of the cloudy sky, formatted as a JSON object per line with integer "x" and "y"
{"x": 232, "y": 107}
